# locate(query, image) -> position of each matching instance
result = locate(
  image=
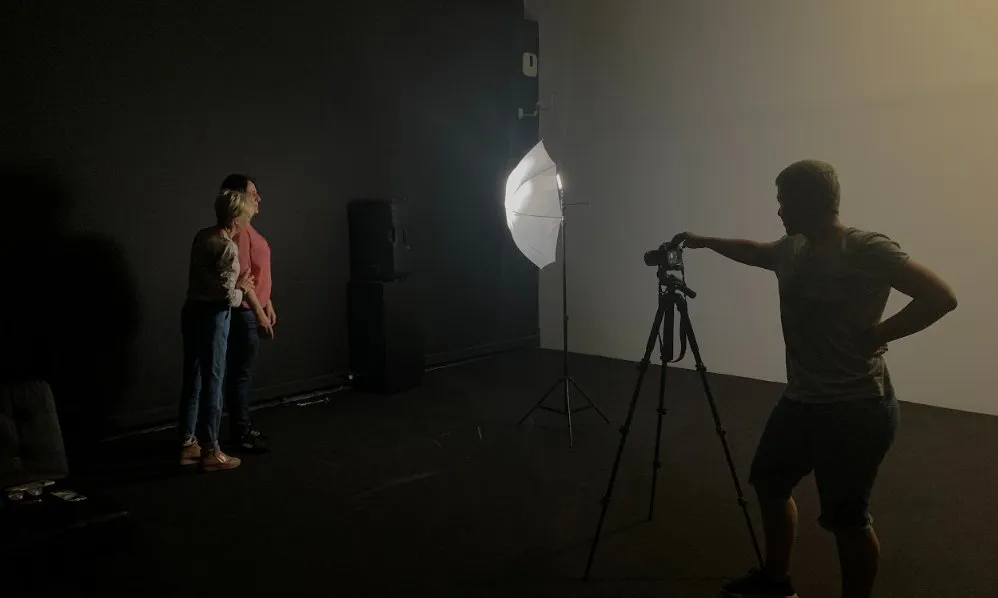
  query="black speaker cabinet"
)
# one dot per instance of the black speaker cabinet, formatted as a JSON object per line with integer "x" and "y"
{"x": 379, "y": 239}
{"x": 386, "y": 335}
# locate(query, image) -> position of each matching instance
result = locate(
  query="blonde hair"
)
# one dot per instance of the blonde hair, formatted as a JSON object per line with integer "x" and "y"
{"x": 232, "y": 206}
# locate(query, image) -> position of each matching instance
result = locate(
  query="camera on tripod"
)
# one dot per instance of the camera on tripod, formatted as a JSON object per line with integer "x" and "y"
{"x": 668, "y": 256}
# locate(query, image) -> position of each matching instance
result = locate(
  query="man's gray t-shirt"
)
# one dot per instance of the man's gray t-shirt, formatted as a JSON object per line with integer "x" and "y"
{"x": 828, "y": 299}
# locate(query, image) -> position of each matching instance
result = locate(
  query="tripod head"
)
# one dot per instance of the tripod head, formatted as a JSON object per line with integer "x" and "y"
{"x": 669, "y": 258}
{"x": 672, "y": 284}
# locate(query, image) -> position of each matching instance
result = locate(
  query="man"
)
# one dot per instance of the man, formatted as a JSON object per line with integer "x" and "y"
{"x": 839, "y": 414}
{"x": 248, "y": 324}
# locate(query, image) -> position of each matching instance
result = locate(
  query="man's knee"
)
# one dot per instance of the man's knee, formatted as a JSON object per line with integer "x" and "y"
{"x": 844, "y": 520}
{"x": 771, "y": 494}
{"x": 845, "y": 500}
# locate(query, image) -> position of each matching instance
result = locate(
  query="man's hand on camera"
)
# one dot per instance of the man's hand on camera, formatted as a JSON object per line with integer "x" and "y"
{"x": 690, "y": 240}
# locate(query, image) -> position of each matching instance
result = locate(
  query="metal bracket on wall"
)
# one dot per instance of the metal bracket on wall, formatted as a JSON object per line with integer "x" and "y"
{"x": 538, "y": 108}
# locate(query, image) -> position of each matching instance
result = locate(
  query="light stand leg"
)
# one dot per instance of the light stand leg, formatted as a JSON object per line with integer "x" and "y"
{"x": 568, "y": 413}
{"x": 624, "y": 431}
{"x": 686, "y": 328}
{"x": 564, "y": 334}
{"x": 565, "y": 377}
{"x": 544, "y": 397}
{"x": 590, "y": 401}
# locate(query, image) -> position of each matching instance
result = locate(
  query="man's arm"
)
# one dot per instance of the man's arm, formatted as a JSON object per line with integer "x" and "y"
{"x": 931, "y": 299}
{"x": 750, "y": 253}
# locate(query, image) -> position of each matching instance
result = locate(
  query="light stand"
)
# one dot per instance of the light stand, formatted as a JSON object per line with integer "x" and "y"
{"x": 566, "y": 380}
{"x": 672, "y": 294}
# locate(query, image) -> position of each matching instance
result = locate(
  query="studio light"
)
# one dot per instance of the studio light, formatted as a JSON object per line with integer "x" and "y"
{"x": 533, "y": 206}
{"x": 535, "y": 216}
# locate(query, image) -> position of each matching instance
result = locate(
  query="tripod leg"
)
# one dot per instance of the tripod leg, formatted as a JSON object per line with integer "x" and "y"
{"x": 541, "y": 401}
{"x": 687, "y": 329}
{"x": 590, "y": 401}
{"x": 624, "y": 431}
{"x": 669, "y": 318}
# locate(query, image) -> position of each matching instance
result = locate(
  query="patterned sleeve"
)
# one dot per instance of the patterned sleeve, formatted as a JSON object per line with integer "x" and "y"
{"x": 882, "y": 256}
{"x": 228, "y": 267}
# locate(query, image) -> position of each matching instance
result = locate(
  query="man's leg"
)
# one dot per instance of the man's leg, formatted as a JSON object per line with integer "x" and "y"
{"x": 853, "y": 440}
{"x": 859, "y": 558}
{"x": 782, "y": 458}
{"x": 244, "y": 341}
{"x": 779, "y": 524}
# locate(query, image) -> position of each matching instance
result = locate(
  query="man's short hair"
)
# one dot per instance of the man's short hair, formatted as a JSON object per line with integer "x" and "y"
{"x": 813, "y": 181}
{"x": 237, "y": 182}
{"x": 232, "y": 206}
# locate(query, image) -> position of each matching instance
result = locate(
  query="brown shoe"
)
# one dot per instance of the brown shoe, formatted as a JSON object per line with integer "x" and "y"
{"x": 216, "y": 460}
{"x": 190, "y": 454}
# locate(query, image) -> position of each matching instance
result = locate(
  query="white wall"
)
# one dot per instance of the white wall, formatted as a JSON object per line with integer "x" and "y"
{"x": 673, "y": 115}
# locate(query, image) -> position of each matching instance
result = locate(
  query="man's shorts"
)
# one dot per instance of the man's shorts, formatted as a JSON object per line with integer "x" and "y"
{"x": 843, "y": 443}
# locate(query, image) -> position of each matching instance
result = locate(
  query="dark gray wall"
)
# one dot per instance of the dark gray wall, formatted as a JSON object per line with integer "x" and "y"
{"x": 119, "y": 123}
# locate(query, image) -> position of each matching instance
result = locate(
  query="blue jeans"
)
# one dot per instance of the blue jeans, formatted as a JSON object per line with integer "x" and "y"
{"x": 244, "y": 340}
{"x": 205, "y": 328}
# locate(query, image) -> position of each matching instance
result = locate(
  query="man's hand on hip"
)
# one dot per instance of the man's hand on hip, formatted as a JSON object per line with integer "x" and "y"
{"x": 869, "y": 344}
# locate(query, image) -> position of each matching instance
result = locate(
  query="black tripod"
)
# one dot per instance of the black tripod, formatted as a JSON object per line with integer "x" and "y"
{"x": 671, "y": 291}
{"x": 566, "y": 380}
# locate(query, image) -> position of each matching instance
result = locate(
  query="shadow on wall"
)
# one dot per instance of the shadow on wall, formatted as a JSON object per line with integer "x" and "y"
{"x": 69, "y": 310}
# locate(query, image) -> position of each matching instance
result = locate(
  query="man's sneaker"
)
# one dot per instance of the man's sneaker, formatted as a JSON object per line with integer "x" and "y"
{"x": 216, "y": 460}
{"x": 251, "y": 443}
{"x": 758, "y": 585}
{"x": 190, "y": 454}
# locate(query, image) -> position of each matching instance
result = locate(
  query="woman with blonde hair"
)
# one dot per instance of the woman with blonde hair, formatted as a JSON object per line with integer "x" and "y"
{"x": 214, "y": 287}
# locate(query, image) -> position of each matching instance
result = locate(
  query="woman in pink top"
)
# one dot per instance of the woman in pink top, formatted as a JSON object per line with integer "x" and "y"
{"x": 247, "y": 325}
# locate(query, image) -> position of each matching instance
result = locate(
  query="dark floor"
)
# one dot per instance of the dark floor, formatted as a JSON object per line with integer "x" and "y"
{"x": 439, "y": 492}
